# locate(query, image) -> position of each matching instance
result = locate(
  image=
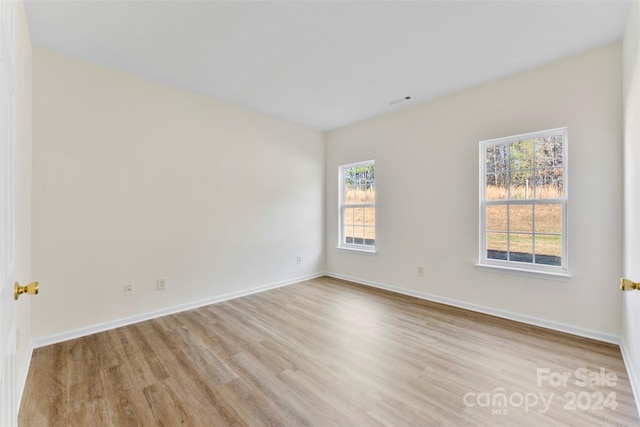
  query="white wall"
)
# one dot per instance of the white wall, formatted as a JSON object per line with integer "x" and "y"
{"x": 134, "y": 181}
{"x": 631, "y": 98}
{"x": 23, "y": 191}
{"x": 427, "y": 194}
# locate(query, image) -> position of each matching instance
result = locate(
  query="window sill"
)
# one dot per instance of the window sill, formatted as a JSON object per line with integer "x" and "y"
{"x": 356, "y": 249}
{"x": 524, "y": 272}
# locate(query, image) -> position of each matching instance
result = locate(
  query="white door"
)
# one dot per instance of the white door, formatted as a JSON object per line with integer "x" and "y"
{"x": 8, "y": 306}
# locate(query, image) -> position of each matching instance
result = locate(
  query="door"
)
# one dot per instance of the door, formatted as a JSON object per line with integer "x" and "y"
{"x": 631, "y": 262}
{"x": 8, "y": 341}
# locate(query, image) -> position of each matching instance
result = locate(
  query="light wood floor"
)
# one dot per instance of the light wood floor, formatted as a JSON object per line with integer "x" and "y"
{"x": 320, "y": 353}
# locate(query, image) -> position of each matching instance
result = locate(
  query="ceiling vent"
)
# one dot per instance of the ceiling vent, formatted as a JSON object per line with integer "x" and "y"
{"x": 397, "y": 101}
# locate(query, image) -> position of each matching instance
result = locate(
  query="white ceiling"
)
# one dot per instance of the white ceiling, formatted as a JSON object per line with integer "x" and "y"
{"x": 324, "y": 64}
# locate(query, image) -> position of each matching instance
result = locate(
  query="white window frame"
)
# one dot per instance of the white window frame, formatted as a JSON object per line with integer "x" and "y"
{"x": 342, "y": 206}
{"x": 516, "y": 266}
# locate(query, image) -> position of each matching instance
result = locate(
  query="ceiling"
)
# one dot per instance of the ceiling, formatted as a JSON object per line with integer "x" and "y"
{"x": 324, "y": 64}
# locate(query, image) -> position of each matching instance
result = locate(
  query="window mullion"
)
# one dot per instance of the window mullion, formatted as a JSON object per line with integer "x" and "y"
{"x": 509, "y": 230}
{"x": 533, "y": 206}
{"x": 533, "y": 228}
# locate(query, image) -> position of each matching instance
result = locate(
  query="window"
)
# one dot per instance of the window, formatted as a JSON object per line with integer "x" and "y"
{"x": 357, "y": 203}
{"x": 523, "y": 202}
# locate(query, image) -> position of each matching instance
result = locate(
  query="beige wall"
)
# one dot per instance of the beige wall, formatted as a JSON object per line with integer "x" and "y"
{"x": 427, "y": 194}
{"x": 23, "y": 191}
{"x": 631, "y": 98}
{"x": 135, "y": 181}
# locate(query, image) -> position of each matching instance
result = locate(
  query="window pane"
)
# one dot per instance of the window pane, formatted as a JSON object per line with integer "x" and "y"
{"x": 371, "y": 194}
{"x": 348, "y": 234}
{"x": 496, "y": 158}
{"x": 349, "y": 178}
{"x": 521, "y": 218}
{"x": 497, "y": 246}
{"x": 549, "y": 183}
{"x": 522, "y": 184}
{"x": 358, "y": 232}
{"x": 497, "y": 185}
{"x": 520, "y": 247}
{"x": 349, "y": 185}
{"x": 360, "y": 177}
{"x": 370, "y": 235}
{"x": 548, "y": 218}
{"x": 370, "y": 216}
{"x": 496, "y": 218}
{"x": 350, "y": 195}
{"x": 549, "y": 151}
{"x": 548, "y": 249}
{"x": 358, "y": 216}
{"x": 348, "y": 216}
{"x": 521, "y": 155}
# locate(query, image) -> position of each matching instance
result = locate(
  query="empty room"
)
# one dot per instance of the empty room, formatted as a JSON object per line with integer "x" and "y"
{"x": 346, "y": 213}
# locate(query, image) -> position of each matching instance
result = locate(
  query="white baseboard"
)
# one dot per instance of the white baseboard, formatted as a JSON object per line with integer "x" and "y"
{"x": 562, "y": 327}
{"x": 557, "y": 326}
{"x": 101, "y": 327}
{"x": 634, "y": 379}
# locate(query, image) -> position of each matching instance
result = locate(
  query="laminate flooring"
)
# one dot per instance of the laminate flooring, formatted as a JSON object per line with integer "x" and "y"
{"x": 327, "y": 352}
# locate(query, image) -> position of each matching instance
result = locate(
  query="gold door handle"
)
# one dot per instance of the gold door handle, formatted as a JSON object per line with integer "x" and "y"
{"x": 628, "y": 285}
{"x": 31, "y": 288}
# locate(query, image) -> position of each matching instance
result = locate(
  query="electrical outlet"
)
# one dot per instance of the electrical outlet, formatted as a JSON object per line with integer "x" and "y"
{"x": 128, "y": 289}
{"x": 161, "y": 284}
{"x": 298, "y": 259}
{"x": 420, "y": 271}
